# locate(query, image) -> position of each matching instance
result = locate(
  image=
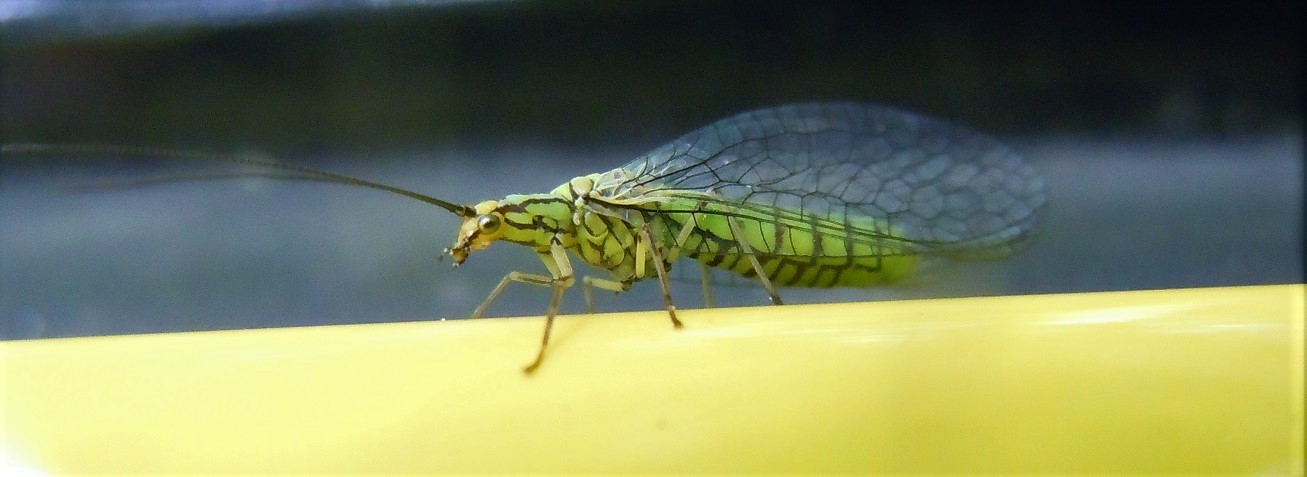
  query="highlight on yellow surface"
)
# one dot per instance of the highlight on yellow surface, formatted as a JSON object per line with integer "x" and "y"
{"x": 1175, "y": 381}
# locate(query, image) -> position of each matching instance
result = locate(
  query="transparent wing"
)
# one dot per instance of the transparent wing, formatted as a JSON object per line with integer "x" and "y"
{"x": 941, "y": 187}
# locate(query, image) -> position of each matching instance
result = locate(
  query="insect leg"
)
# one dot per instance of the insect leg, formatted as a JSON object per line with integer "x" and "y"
{"x": 562, "y": 270}
{"x": 662, "y": 272}
{"x": 551, "y": 263}
{"x": 705, "y": 274}
{"x": 757, "y": 267}
{"x": 511, "y": 277}
{"x": 586, "y": 284}
{"x": 592, "y": 282}
{"x": 682, "y": 237}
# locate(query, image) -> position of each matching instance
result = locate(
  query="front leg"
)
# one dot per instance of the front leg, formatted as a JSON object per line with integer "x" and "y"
{"x": 562, "y": 278}
{"x": 519, "y": 277}
{"x": 559, "y": 265}
{"x": 561, "y": 269}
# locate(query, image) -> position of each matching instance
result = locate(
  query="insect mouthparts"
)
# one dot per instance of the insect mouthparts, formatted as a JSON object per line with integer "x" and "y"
{"x": 450, "y": 252}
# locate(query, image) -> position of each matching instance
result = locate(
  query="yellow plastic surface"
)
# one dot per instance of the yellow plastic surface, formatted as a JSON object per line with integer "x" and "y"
{"x": 1198, "y": 380}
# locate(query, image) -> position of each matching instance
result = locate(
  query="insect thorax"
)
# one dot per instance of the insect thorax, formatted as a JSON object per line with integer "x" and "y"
{"x": 602, "y": 237}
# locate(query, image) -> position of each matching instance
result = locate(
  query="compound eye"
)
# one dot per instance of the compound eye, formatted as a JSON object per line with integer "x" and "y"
{"x": 488, "y": 223}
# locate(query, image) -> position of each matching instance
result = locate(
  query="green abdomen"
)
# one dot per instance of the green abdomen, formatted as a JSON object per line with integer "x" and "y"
{"x": 793, "y": 249}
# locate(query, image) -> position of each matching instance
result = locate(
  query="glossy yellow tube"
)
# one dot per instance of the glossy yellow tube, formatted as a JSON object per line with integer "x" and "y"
{"x": 1199, "y": 380}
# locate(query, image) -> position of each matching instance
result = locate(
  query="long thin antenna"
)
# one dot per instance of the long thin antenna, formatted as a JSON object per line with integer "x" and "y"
{"x": 309, "y": 173}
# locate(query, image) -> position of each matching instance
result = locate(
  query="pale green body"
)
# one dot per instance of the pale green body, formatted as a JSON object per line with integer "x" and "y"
{"x": 793, "y": 250}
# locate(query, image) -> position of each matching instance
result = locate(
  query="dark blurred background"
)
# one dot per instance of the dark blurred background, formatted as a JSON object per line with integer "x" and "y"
{"x": 1170, "y": 135}
{"x": 580, "y": 73}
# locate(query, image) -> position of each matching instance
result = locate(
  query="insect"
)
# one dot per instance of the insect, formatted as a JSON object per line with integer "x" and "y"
{"x": 804, "y": 195}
